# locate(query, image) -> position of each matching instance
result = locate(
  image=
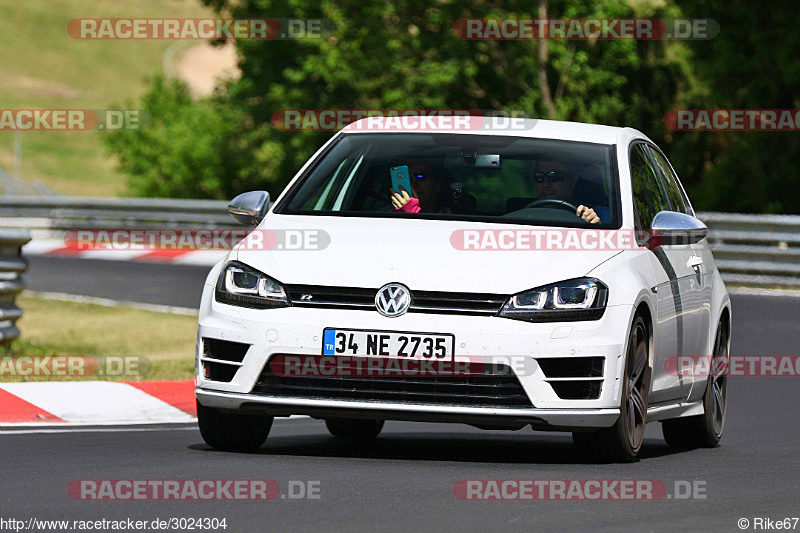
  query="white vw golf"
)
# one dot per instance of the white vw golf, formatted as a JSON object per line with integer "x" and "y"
{"x": 550, "y": 275}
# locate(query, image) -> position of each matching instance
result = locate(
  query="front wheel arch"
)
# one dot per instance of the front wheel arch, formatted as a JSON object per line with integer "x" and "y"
{"x": 623, "y": 441}
{"x": 705, "y": 430}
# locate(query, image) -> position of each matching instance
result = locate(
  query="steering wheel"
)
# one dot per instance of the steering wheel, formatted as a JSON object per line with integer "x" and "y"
{"x": 552, "y": 202}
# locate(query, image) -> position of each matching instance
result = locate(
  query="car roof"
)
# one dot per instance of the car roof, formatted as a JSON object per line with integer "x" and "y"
{"x": 502, "y": 126}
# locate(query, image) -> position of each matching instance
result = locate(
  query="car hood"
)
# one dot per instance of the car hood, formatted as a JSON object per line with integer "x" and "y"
{"x": 370, "y": 252}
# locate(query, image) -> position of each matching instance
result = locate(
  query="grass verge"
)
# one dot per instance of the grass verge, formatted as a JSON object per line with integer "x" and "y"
{"x": 53, "y": 327}
{"x": 44, "y": 68}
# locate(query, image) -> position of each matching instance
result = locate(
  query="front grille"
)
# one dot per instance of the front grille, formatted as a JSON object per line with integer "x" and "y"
{"x": 421, "y": 301}
{"x": 224, "y": 350}
{"x": 498, "y": 386}
{"x": 588, "y": 372}
{"x": 214, "y": 371}
{"x": 577, "y": 390}
{"x": 221, "y": 359}
{"x": 572, "y": 367}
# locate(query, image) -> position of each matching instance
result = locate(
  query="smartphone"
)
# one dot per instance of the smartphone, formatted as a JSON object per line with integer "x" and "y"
{"x": 400, "y": 178}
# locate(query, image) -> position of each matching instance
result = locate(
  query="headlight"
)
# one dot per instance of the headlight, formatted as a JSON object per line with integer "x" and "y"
{"x": 238, "y": 284}
{"x": 572, "y": 300}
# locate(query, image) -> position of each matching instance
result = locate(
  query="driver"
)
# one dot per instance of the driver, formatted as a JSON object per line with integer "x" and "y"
{"x": 556, "y": 180}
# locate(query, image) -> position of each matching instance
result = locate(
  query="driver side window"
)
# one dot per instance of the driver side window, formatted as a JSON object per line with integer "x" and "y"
{"x": 648, "y": 196}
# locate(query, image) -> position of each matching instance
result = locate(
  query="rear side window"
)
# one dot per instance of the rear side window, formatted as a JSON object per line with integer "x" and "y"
{"x": 648, "y": 196}
{"x": 669, "y": 180}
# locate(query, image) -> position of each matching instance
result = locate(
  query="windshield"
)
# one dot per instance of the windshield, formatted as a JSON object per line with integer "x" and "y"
{"x": 462, "y": 177}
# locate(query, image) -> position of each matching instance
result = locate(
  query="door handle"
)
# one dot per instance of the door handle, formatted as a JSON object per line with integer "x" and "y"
{"x": 694, "y": 262}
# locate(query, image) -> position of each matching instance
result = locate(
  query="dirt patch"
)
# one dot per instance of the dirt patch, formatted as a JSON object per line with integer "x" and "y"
{"x": 203, "y": 65}
{"x": 44, "y": 87}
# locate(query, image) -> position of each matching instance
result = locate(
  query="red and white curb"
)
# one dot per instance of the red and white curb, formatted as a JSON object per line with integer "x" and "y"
{"x": 164, "y": 255}
{"x": 97, "y": 402}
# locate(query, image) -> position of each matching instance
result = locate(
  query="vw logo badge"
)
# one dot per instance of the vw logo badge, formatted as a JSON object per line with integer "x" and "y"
{"x": 393, "y": 299}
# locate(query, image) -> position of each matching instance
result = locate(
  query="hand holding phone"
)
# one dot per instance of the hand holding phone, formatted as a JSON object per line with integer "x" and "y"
{"x": 400, "y": 178}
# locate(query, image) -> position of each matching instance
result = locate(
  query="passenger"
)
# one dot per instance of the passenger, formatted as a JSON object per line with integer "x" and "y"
{"x": 426, "y": 192}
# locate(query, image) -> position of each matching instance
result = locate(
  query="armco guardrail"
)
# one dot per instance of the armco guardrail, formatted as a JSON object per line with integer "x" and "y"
{"x": 751, "y": 250}
{"x": 11, "y": 268}
{"x": 756, "y": 250}
{"x": 59, "y": 213}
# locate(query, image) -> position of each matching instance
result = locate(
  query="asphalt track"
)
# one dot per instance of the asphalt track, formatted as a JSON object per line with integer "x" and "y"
{"x": 149, "y": 283}
{"x": 403, "y": 481}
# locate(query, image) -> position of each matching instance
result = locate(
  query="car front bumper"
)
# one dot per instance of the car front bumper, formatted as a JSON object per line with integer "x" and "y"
{"x": 298, "y": 331}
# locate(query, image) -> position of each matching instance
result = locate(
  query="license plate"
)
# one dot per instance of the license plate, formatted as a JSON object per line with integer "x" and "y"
{"x": 388, "y": 343}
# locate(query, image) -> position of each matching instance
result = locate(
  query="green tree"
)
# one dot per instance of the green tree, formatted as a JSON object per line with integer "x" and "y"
{"x": 395, "y": 55}
{"x": 751, "y": 64}
{"x": 188, "y": 149}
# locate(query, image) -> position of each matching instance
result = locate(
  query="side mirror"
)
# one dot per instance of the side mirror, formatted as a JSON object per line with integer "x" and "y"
{"x": 250, "y": 207}
{"x": 678, "y": 228}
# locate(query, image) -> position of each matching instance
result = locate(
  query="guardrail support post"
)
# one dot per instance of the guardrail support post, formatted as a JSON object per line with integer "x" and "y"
{"x": 11, "y": 268}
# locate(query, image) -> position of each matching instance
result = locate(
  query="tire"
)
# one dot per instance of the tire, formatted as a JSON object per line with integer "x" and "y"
{"x": 354, "y": 429}
{"x": 622, "y": 441}
{"x": 232, "y": 433}
{"x": 704, "y": 431}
